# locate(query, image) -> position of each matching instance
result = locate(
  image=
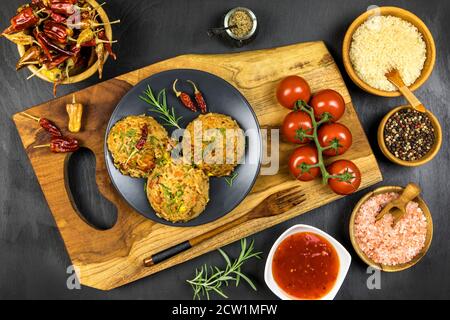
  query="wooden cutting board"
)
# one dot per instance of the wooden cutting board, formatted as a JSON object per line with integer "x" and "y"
{"x": 112, "y": 258}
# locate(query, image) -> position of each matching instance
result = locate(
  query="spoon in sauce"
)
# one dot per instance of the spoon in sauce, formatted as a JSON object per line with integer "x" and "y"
{"x": 396, "y": 79}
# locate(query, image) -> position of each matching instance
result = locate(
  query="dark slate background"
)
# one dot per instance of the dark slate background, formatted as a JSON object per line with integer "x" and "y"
{"x": 33, "y": 260}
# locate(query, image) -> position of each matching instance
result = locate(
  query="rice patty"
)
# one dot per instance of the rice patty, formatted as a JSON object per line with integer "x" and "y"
{"x": 214, "y": 126}
{"x": 178, "y": 192}
{"x": 122, "y": 140}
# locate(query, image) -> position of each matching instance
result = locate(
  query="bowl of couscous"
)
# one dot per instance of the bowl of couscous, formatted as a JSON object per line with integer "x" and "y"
{"x": 386, "y": 38}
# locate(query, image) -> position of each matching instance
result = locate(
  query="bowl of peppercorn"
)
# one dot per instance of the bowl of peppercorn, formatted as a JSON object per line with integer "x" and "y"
{"x": 409, "y": 137}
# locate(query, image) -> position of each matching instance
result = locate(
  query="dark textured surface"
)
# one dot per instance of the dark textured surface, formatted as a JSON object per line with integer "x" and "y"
{"x": 32, "y": 255}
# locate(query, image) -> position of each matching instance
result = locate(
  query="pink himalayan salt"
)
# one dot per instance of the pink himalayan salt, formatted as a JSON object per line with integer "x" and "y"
{"x": 387, "y": 244}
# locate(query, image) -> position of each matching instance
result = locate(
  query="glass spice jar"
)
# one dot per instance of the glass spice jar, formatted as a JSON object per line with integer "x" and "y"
{"x": 239, "y": 27}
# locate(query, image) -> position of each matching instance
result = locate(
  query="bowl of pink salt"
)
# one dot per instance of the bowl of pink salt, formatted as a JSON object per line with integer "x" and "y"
{"x": 386, "y": 245}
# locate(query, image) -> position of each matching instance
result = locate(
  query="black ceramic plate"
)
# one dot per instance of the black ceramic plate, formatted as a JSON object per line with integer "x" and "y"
{"x": 221, "y": 97}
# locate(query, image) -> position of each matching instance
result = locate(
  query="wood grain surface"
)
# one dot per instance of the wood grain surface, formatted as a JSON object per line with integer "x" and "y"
{"x": 111, "y": 258}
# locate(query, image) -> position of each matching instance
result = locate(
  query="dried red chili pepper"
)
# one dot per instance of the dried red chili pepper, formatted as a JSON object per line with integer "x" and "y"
{"x": 25, "y": 19}
{"x": 184, "y": 98}
{"x": 108, "y": 47}
{"x": 64, "y": 1}
{"x": 57, "y": 60}
{"x": 39, "y": 37}
{"x": 50, "y": 127}
{"x": 57, "y": 17}
{"x": 55, "y": 47}
{"x": 77, "y": 58}
{"x": 46, "y": 124}
{"x": 144, "y": 135}
{"x": 199, "y": 98}
{"x": 90, "y": 43}
{"x": 63, "y": 8}
{"x": 57, "y": 31}
{"x": 46, "y": 45}
{"x": 75, "y": 50}
{"x": 61, "y": 145}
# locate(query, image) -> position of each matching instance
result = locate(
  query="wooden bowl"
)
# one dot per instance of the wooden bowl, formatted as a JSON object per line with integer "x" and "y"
{"x": 427, "y": 158}
{"x": 92, "y": 68}
{"x": 405, "y": 15}
{"x": 399, "y": 267}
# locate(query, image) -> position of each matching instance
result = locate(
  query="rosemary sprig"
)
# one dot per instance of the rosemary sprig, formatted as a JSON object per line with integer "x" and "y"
{"x": 212, "y": 279}
{"x": 159, "y": 105}
{"x": 230, "y": 180}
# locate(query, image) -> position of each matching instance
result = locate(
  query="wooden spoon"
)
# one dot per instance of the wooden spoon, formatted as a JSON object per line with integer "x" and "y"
{"x": 398, "y": 207}
{"x": 396, "y": 79}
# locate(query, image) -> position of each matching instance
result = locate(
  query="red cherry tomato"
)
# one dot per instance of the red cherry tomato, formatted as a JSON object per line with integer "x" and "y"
{"x": 292, "y": 89}
{"x": 295, "y": 124}
{"x": 349, "y": 178}
{"x": 328, "y": 101}
{"x": 300, "y": 159}
{"x": 336, "y": 135}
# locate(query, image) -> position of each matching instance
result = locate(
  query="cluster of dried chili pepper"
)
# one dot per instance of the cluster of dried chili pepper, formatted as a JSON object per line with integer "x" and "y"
{"x": 62, "y": 38}
{"x": 58, "y": 143}
{"x": 186, "y": 99}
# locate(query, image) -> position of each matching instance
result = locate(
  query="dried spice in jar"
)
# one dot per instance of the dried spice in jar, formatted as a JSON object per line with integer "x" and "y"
{"x": 239, "y": 27}
{"x": 242, "y": 23}
{"x": 409, "y": 134}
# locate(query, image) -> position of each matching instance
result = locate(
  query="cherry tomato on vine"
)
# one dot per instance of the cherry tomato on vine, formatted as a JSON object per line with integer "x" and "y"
{"x": 292, "y": 89}
{"x": 295, "y": 126}
{"x": 347, "y": 177}
{"x": 335, "y": 135}
{"x": 330, "y": 102}
{"x": 299, "y": 161}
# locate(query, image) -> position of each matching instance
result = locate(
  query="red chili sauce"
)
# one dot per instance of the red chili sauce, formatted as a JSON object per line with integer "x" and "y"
{"x": 305, "y": 266}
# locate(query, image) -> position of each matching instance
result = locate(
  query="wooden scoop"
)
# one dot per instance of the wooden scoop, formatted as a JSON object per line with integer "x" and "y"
{"x": 398, "y": 207}
{"x": 396, "y": 79}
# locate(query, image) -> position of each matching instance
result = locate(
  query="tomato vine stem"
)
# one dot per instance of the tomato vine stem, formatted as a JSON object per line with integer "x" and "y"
{"x": 303, "y": 106}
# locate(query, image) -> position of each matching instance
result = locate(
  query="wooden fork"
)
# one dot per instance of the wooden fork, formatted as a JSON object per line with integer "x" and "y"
{"x": 273, "y": 205}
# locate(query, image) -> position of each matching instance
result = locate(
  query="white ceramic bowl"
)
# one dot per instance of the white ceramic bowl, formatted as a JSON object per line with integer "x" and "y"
{"x": 344, "y": 262}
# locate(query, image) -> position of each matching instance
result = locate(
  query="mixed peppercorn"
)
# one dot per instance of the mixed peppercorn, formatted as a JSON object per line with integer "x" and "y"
{"x": 409, "y": 134}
